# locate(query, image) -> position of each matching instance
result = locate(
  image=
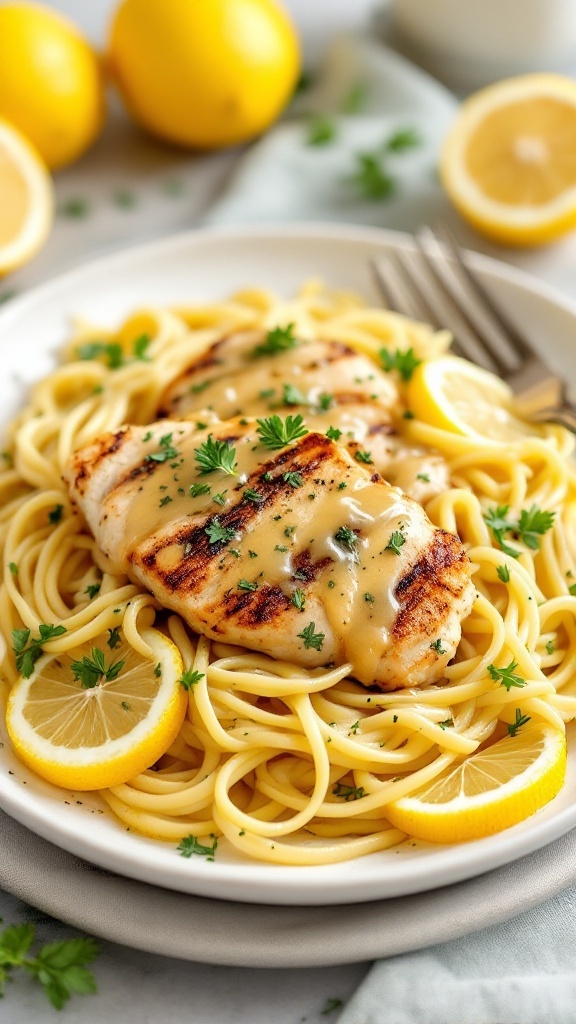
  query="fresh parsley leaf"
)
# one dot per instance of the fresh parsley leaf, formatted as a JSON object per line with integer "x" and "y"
{"x": 276, "y": 433}
{"x": 325, "y": 401}
{"x": 92, "y": 669}
{"x": 506, "y": 676}
{"x": 189, "y": 678}
{"x": 346, "y": 538}
{"x": 255, "y": 497}
{"x": 55, "y": 514}
{"x": 92, "y": 589}
{"x": 246, "y": 585}
{"x": 519, "y": 721}
{"x": 291, "y": 395}
{"x": 190, "y": 845}
{"x": 497, "y": 521}
{"x": 299, "y": 600}
{"x": 437, "y": 646}
{"x": 348, "y": 792}
{"x": 280, "y": 339}
{"x": 371, "y": 178}
{"x": 333, "y": 433}
{"x": 214, "y": 456}
{"x": 140, "y": 347}
{"x": 397, "y": 539}
{"x": 550, "y": 648}
{"x": 13, "y": 568}
{"x": 311, "y": 639}
{"x": 60, "y": 967}
{"x": 197, "y": 489}
{"x": 218, "y": 534}
{"x": 355, "y": 99}
{"x": 294, "y": 479}
{"x": 403, "y": 361}
{"x": 365, "y": 457}
{"x": 503, "y": 573}
{"x": 167, "y": 451}
{"x": 27, "y": 650}
{"x": 404, "y": 138}
{"x": 114, "y": 638}
{"x": 532, "y": 524}
{"x": 424, "y": 477}
{"x": 321, "y": 131}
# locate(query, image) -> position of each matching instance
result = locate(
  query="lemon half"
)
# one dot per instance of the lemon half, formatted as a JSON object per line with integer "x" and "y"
{"x": 490, "y": 791}
{"x": 85, "y": 737}
{"x": 509, "y": 161}
{"x": 27, "y": 205}
{"x": 454, "y": 395}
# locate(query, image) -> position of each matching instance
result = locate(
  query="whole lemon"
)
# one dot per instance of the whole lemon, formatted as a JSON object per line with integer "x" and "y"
{"x": 51, "y": 85}
{"x": 204, "y": 73}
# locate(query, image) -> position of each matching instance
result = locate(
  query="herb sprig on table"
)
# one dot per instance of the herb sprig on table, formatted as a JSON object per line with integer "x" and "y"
{"x": 59, "y": 967}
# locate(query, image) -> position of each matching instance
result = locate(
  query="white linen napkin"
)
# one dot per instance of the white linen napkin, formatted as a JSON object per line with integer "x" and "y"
{"x": 283, "y": 177}
{"x": 520, "y": 972}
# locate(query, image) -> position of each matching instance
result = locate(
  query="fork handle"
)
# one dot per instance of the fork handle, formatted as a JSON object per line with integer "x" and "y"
{"x": 564, "y": 414}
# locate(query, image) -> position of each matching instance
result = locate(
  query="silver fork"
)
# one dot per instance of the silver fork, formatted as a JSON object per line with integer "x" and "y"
{"x": 435, "y": 283}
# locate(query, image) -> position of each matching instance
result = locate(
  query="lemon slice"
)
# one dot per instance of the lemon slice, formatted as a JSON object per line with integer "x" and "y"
{"x": 508, "y": 162}
{"x": 26, "y": 199}
{"x": 494, "y": 789}
{"x": 91, "y": 733}
{"x": 452, "y": 394}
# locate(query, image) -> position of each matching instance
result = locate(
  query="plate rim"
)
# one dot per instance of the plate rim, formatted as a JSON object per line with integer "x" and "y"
{"x": 303, "y": 880}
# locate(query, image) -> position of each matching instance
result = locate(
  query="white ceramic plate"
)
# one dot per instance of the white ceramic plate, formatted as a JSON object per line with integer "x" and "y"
{"x": 206, "y": 265}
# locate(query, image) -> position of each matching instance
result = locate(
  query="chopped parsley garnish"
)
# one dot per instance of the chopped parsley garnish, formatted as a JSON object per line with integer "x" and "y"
{"x": 197, "y": 389}
{"x": 92, "y": 669}
{"x": 503, "y": 573}
{"x": 112, "y": 352}
{"x": 140, "y": 347}
{"x": 321, "y": 131}
{"x": 55, "y": 514}
{"x": 333, "y": 433}
{"x": 216, "y": 455}
{"x": 165, "y": 500}
{"x": 447, "y": 723}
{"x": 254, "y": 496}
{"x": 291, "y": 395}
{"x": 331, "y": 1005}
{"x": 550, "y": 647}
{"x": 190, "y": 845}
{"x": 166, "y": 453}
{"x": 424, "y": 477}
{"x": 363, "y": 457}
{"x": 280, "y": 339}
{"x": 348, "y": 792}
{"x": 13, "y": 568}
{"x": 276, "y": 433}
{"x": 247, "y": 585}
{"x": 294, "y": 479}
{"x": 311, "y": 639}
{"x": 355, "y": 99}
{"x": 519, "y": 721}
{"x": 218, "y": 534}
{"x": 369, "y": 598}
{"x": 92, "y": 590}
{"x": 506, "y": 676}
{"x": 114, "y": 638}
{"x": 189, "y": 678}
{"x": 299, "y": 600}
{"x": 346, "y": 538}
{"x": 397, "y": 539}
{"x": 403, "y": 361}
{"x": 28, "y": 650}
{"x": 325, "y": 401}
{"x": 197, "y": 489}
{"x": 437, "y": 646}
{"x": 220, "y": 499}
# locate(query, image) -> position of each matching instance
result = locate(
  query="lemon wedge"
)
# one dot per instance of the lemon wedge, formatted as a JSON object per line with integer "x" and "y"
{"x": 508, "y": 162}
{"x": 90, "y": 729}
{"x": 26, "y": 199}
{"x": 492, "y": 790}
{"x": 452, "y": 394}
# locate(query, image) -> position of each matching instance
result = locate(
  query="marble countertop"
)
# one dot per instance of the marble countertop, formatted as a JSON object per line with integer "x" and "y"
{"x": 135, "y": 986}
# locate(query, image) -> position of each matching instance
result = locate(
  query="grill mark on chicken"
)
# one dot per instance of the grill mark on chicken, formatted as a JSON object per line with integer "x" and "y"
{"x": 430, "y": 586}
{"x": 108, "y": 445}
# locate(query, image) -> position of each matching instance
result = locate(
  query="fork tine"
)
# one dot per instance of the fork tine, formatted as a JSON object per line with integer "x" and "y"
{"x": 396, "y": 292}
{"x": 492, "y": 311}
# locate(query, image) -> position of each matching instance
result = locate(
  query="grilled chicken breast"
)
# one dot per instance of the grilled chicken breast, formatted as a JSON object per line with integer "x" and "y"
{"x": 297, "y": 551}
{"x": 330, "y": 383}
